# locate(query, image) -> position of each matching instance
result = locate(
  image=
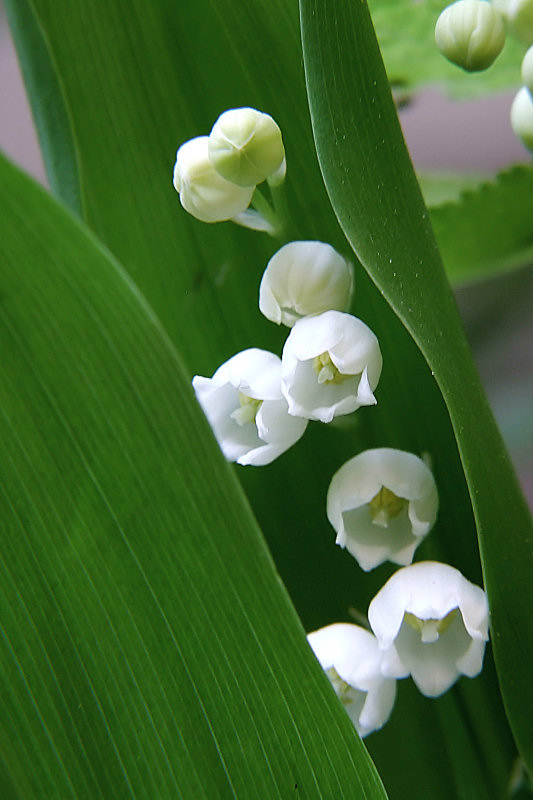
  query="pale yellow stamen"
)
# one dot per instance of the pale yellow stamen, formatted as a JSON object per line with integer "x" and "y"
{"x": 327, "y": 371}
{"x": 341, "y": 687}
{"x": 385, "y": 505}
{"x": 249, "y": 406}
{"x": 430, "y": 629}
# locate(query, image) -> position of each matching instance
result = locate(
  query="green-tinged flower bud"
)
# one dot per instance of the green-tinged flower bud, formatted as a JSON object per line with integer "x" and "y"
{"x": 245, "y": 146}
{"x": 519, "y": 17}
{"x": 527, "y": 70}
{"x": 522, "y": 116}
{"x": 203, "y": 192}
{"x": 471, "y": 34}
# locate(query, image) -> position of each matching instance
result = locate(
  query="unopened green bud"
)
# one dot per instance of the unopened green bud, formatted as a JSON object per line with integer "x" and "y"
{"x": 471, "y": 34}
{"x": 522, "y": 116}
{"x": 527, "y": 69}
{"x": 245, "y": 146}
{"x": 519, "y": 17}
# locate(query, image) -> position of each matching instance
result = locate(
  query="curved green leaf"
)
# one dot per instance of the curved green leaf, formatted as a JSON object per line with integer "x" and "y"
{"x": 147, "y": 647}
{"x": 377, "y": 200}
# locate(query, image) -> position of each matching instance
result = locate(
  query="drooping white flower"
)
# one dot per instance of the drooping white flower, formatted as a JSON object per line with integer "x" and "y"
{"x": 245, "y": 146}
{"x": 246, "y": 410}
{"x": 519, "y": 17}
{"x": 203, "y": 192}
{"x": 305, "y": 278}
{"x": 382, "y": 503}
{"x": 522, "y": 116}
{"x": 471, "y": 34}
{"x": 351, "y": 658}
{"x": 527, "y": 69}
{"x": 331, "y": 364}
{"x": 432, "y": 624}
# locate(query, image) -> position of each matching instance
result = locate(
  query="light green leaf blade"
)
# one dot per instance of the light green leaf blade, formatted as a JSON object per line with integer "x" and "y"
{"x": 488, "y": 230}
{"x": 148, "y": 648}
{"x": 374, "y": 192}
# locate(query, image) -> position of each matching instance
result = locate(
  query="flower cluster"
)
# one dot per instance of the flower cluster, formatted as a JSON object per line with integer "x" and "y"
{"x": 216, "y": 176}
{"x": 471, "y": 34}
{"x": 427, "y": 621}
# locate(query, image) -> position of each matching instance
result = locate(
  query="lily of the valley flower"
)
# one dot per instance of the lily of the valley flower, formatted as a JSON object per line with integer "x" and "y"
{"x": 522, "y": 116}
{"x": 246, "y": 410}
{"x": 351, "y": 658}
{"x": 432, "y": 624}
{"x": 245, "y": 146}
{"x": 305, "y": 278}
{"x": 382, "y": 503}
{"x": 331, "y": 365}
{"x": 471, "y": 34}
{"x": 204, "y": 193}
{"x": 527, "y": 70}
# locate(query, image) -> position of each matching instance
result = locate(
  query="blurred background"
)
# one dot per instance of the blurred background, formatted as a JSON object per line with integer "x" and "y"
{"x": 442, "y": 135}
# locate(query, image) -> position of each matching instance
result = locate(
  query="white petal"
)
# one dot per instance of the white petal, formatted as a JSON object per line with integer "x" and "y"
{"x": 353, "y": 654}
{"x": 430, "y": 591}
{"x": 353, "y": 350}
{"x": 305, "y": 278}
{"x": 357, "y": 482}
{"x": 203, "y": 192}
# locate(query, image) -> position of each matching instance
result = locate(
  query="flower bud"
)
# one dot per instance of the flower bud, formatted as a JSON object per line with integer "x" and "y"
{"x": 527, "y": 69}
{"x": 305, "y": 278}
{"x": 522, "y": 117}
{"x": 471, "y": 34}
{"x": 203, "y": 192}
{"x": 245, "y": 146}
{"x": 519, "y": 17}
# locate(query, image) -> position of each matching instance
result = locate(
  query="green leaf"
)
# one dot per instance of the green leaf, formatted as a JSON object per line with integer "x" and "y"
{"x": 47, "y": 103}
{"x": 489, "y": 230}
{"x": 148, "y": 648}
{"x": 406, "y": 35}
{"x": 158, "y": 74}
{"x": 377, "y": 200}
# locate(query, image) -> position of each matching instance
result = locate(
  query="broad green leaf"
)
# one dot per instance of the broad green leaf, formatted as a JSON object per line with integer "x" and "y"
{"x": 406, "y": 35}
{"x": 158, "y": 74}
{"x": 488, "y": 230}
{"x": 148, "y": 648}
{"x": 374, "y": 192}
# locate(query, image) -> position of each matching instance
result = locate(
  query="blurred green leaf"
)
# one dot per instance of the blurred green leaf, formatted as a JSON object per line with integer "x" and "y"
{"x": 377, "y": 200}
{"x": 158, "y": 74}
{"x": 489, "y": 230}
{"x": 148, "y": 648}
{"x": 406, "y": 35}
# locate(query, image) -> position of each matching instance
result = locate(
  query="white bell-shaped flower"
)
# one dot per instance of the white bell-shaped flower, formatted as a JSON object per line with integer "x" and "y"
{"x": 522, "y": 116}
{"x": 432, "y": 624}
{"x": 331, "y": 365}
{"x": 245, "y": 146}
{"x": 302, "y": 279}
{"x": 471, "y": 34}
{"x": 519, "y": 17}
{"x": 527, "y": 70}
{"x": 246, "y": 410}
{"x": 351, "y": 658}
{"x": 204, "y": 193}
{"x": 382, "y": 503}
